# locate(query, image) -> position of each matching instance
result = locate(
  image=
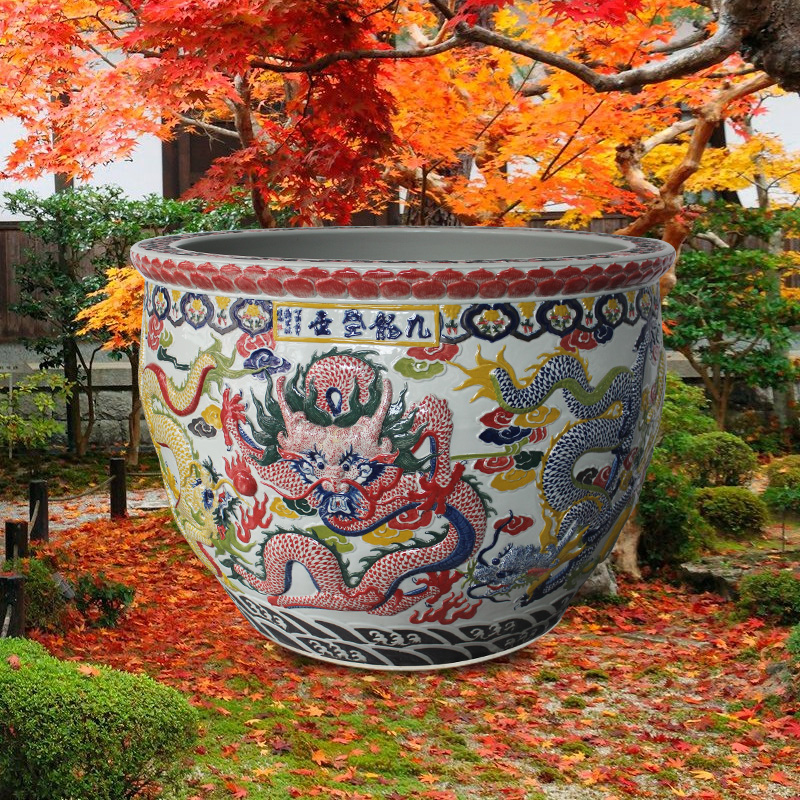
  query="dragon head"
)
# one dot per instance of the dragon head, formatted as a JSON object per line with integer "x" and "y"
{"x": 344, "y": 469}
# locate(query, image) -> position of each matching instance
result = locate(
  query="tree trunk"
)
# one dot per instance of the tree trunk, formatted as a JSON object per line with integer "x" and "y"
{"x": 73, "y": 398}
{"x": 243, "y": 121}
{"x": 135, "y": 417}
{"x": 626, "y": 550}
{"x": 770, "y": 38}
{"x": 783, "y": 396}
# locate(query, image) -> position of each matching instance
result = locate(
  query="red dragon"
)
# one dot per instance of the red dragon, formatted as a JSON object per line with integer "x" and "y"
{"x": 335, "y": 440}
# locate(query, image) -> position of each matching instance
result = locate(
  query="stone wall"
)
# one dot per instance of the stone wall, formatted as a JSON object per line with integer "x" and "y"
{"x": 112, "y": 382}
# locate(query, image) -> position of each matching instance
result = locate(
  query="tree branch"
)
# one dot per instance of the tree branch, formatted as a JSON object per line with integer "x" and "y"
{"x": 673, "y": 46}
{"x": 208, "y": 127}
{"x": 668, "y": 135}
{"x": 325, "y": 61}
{"x": 442, "y": 8}
{"x": 629, "y": 158}
{"x": 714, "y": 238}
{"x": 725, "y": 41}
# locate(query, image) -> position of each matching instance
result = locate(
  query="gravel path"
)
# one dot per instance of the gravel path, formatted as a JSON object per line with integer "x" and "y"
{"x": 72, "y": 513}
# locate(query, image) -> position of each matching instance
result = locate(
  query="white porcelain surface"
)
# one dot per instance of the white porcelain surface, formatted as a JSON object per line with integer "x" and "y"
{"x": 402, "y": 463}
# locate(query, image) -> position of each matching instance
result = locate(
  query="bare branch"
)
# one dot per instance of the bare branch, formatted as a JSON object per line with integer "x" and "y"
{"x": 737, "y": 74}
{"x": 725, "y": 41}
{"x": 352, "y": 55}
{"x": 101, "y": 55}
{"x": 691, "y": 39}
{"x": 709, "y": 117}
{"x": 715, "y": 239}
{"x": 442, "y": 8}
{"x": 668, "y": 135}
{"x": 629, "y": 159}
{"x": 208, "y": 127}
{"x": 533, "y": 90}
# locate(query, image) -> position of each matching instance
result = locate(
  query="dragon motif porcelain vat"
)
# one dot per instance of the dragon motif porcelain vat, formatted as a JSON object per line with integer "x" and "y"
{"x": 402, "y": 448}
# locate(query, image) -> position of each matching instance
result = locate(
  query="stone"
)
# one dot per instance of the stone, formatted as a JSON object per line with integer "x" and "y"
{"x": 713, "y": 574}
{"x": 601, "y": 583}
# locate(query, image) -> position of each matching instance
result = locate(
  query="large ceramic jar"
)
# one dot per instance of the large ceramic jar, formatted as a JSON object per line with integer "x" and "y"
{"x": 402, "y": 447}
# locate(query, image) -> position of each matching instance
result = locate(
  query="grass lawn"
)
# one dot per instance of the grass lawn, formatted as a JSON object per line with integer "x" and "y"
{"x": 660, "y": 695}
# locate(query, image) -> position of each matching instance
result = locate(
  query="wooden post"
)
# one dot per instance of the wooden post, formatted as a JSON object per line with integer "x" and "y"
{"x": 12, "y": 606}
{"x": 119, "y": 499}
{"x": 16, "y": 538}
{"x": 39, "y": 514}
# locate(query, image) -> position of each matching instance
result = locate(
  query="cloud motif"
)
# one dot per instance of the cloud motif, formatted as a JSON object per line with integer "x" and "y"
{"x": 199, "y": 427}
{"x": 443, "y": 352}
{"x": 264, "y": 361}
{"x": 528, "y": 459}
{"x": 507, "y": 436}
{"x": 418, "y": 370}
{"x": 497, "y": 418}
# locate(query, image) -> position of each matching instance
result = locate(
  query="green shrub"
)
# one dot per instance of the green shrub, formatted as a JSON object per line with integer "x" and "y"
{"x": 100, "y": 600}
{"x": 685, "y": 414}
{"x": 733, "y": 511}
{"x": 76, "y": 732}
{"x": 27, "y": 413}
{"x": 672, "y": 529}
{"x": 765, "y": 436}
{"x": 774, "y": 595}
{"x": 717, "y": 458}
{"x": 784, "y": 473}
{"x": 45, "y": 605}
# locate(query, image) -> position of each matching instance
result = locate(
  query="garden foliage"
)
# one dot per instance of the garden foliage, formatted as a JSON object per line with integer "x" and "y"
{"x": 784, "y": 473}
{"x": 77, "y": 235}
{"x": 727, "y": 315}
{"x": 53, "y": 603}
{"x": 684, "y": 414}
{"x": 45, "y": 603}
{"x": 672, "y": 528}
{"x": 100, "y": 600}
{"x": 72, "y": 731}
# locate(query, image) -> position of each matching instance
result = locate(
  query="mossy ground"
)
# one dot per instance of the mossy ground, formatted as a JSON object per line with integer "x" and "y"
{"x": 67, "y": 474}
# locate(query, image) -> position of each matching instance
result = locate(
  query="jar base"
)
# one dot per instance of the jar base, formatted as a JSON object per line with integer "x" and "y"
{"x": 404, "y": 648}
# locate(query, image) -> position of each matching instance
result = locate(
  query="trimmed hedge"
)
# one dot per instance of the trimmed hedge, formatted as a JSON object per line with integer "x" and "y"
{"x": 718, "y": 458}
{"x": 733, "y": 511}
{"x": 773, "y": 595}
{"x": 685, "y": 414}
{"x": 71, "y": 731}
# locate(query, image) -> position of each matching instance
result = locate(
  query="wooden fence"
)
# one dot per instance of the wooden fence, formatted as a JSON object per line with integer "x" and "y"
{"x": 13, "y": 243}
{"x": 20, "y": 533}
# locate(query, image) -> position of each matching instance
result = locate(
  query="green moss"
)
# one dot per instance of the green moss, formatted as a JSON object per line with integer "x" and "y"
{"x": 577, "y": 747}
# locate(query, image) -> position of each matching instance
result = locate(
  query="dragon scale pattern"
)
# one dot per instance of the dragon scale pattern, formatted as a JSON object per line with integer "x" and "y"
{"x": 586, "y": 513}
{"x": 349, "y": 476}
